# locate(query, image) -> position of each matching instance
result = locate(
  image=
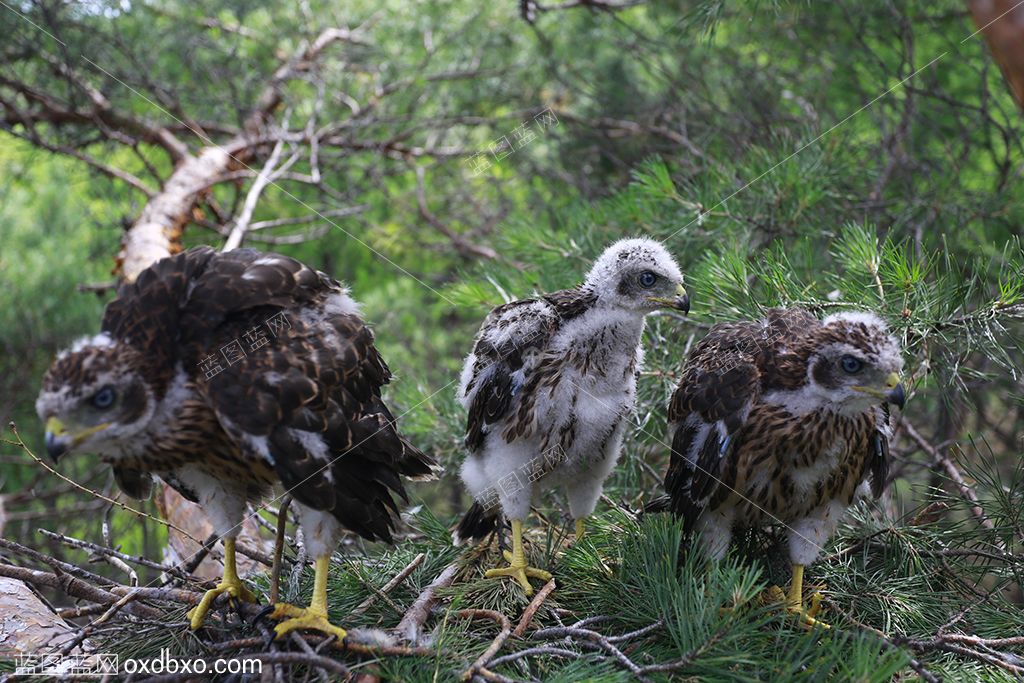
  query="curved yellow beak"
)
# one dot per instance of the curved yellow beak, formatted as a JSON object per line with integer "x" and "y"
{"x": 56, "y": 439}
{"x": 681, "y": 302}
{"x": 59, "y": 441}
{"x": 893, "y": 393}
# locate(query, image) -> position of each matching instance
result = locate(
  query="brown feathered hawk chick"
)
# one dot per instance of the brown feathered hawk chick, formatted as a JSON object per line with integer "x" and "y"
{"x": 783, "y": 421}
{"x": 230, "y": 375}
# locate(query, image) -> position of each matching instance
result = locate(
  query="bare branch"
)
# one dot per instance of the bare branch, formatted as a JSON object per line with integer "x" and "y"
{"x": 264, "y": 178}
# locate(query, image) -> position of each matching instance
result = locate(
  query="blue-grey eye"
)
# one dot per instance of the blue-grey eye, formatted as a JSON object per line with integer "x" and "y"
{"x": 647, "y": 279}
{"x": 851, "y": 364}
{"x": 104, "y": 398}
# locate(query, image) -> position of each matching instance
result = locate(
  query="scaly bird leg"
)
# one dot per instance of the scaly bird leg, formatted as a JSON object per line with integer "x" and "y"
{"x": 230, "y": 584}
{"x": 581, "y": 527}
{"x": 794, "y": 602}
{"x": 517, "y": 568}
{"x": 313, "y": 617}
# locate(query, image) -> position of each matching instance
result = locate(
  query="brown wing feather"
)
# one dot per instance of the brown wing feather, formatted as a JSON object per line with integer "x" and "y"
{"x": 312, "y": 389}
{"x": 723, "y": 378}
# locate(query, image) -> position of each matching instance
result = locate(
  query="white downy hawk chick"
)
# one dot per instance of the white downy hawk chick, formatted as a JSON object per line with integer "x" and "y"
{"x": 228, "y": 375}
{"x": 548, "y": 387}
{"x": 784, "y": 420}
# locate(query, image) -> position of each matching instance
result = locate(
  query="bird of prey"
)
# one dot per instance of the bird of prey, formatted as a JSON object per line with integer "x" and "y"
{"x": 548, "y": 388}
{"x": 227, "y": 375}
{"x": 783, "y": 421}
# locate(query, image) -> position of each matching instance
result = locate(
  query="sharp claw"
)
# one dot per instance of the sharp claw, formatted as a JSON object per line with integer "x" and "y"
{"x": 263, "y": 614}
{"x": 235, "y": 590}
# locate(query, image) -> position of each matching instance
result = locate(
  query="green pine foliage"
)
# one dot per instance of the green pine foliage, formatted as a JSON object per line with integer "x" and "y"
{"x": 786, "y": 178}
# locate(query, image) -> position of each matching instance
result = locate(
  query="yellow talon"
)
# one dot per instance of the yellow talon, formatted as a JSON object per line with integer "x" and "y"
{"x": 518, "y": 568}
{"x": 297, "y": 618}
{"x": 581, "y": 528}
{"x": 230, "y": 584}
{"x": 794, "y": 602}
{"x": 314, "y": 617}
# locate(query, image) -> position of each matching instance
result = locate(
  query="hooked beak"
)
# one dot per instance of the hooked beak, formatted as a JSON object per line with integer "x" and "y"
{"x": 681, "y": 302}
{"x": 894, "y": 392}
{"x": 59, "y": 441}
{"x": 897, "y": 396}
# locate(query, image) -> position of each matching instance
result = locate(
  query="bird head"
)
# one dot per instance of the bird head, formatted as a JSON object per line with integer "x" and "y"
{"x": 93, "y": 400}
{"x": 638, "y": 275}
{"x": 857, "y": 363}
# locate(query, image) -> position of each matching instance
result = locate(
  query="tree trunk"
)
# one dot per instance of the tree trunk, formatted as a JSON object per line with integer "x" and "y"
{"x": 1002, "y": 24}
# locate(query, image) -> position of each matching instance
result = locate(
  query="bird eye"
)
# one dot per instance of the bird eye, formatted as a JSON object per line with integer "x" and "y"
{"x": 647, "y": 279}
{"x": 104, "y": 398}
{"x": 851, "y": 364}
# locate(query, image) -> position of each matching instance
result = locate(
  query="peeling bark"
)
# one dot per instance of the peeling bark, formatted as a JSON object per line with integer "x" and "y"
{"x": 157, "y": 231}
{"x": 27, "y": 624}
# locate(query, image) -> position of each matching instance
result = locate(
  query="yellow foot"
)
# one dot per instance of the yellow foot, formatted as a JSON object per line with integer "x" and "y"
{"x": 310, "y": 618}
{"x": 520, "y": 572}
{"x": 234, "y": 588}
{"x": 806, "y": 617}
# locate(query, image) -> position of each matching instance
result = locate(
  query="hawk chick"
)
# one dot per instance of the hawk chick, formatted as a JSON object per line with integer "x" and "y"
{"x": 549, "y": 385}
{"x": 785, "y": 421}
{"x": 227, "y": 374}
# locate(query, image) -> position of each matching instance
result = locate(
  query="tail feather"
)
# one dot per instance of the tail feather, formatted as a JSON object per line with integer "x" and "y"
{"x": 660, "y": 504}
{"x": 477, "y": 523}
{"x": 417, "y": 465}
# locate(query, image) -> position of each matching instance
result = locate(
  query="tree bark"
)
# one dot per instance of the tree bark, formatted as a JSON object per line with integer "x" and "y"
{"x": 1002, "y": 24}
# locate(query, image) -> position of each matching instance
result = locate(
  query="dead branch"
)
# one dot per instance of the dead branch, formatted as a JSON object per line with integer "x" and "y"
{"x": 74, "y": 587}
{"x": 595, "y": 638}
{"x": 943, "y": 459}
{"x": 412, "y": 622}
{"x": 105, "y": 169}
{"x": 458, "y": 241}
{"x": 275, "y": 571}
{"x": 157, "y": 232}
{"x": 499, "y": 640}
{"x": 390, "y": 585}
{"x": 265, "y": 177}
{"x": 532, "y": 608}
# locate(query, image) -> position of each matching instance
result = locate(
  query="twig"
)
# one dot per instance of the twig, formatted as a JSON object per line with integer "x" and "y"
{"x": 265, "y": 177}
{"x": 414, "y": 618}
{"x": 888, "y": 643}
{"x": 204, "y": 550}
{"x": 133, "y": 578}
{"x": 275, "y": 572}
{"x": 690, "y": 656}
{"x": 543, "y": 650}
{"x": 75, "y": 587}
{"x": 489, "y": 675}
{"x": 595, "y": 638}
{"x": 347, "y": 645}
{"x": 21, "y": 444}
{"x": 532, "y": 608}
{"x": 495, "y": 645}
{"x": 954, "y": 473}
{"x": 101, "y": 550}
{"x": 57, "y": 565}
{"x": 390, "y": 585}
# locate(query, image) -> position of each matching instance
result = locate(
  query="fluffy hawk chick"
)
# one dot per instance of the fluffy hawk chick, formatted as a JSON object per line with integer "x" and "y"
{"x": 226, "y": 375}
{"x": 548, "y": 388}
{"x": 785, "y": 421}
